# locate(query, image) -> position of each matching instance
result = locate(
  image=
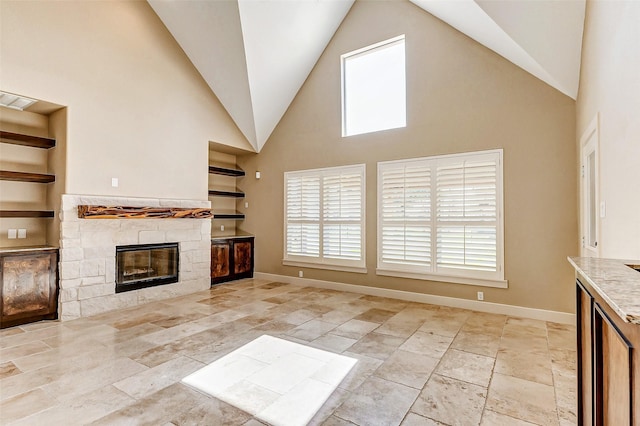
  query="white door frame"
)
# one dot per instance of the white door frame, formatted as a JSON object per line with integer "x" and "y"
{"x": 590, "y": 209}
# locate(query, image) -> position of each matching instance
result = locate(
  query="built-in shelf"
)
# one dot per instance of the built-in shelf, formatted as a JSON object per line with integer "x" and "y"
{"x": 27, "y": 213}
{"x": 232, "y": 172}
{"x": 228, "y": 215}
{"x": 234, "y": 194}
{"x": 35, "y": 142}
{"x": 26, "y": 140}
{"x": 225, "y": 171}
{"x": 26, "y": 177}
{"x": 26, "y": 249}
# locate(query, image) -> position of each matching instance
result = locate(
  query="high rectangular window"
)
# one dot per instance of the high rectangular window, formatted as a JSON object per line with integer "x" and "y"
{"x": 440, "y": 218}
{"x": 324, "y": 218}
{"x": 374, "y": 88}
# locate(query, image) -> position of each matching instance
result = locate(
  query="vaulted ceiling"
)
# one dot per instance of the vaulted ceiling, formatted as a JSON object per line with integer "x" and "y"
{"x": 256, "y": 54}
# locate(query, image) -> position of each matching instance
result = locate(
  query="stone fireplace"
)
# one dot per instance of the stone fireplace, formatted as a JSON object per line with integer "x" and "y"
{"x": 88, "y": 267}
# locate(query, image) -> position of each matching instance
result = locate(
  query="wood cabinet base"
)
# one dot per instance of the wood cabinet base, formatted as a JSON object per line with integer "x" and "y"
{"x": 231, "y": 259}
{"x": 608, "y": 363}
{"x": 28, "y": 287}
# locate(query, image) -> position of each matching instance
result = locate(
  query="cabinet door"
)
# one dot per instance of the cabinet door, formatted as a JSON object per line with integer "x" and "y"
{"x": 585, "y": 355}
{"x": 242, "y": 257}
{"x": 28, "y": 287}
{"x": 612, "y": 356}
{"x": 220, "y": 256}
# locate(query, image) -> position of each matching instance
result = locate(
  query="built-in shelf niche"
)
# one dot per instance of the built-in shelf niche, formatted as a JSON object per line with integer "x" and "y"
{"x": 224, "y": 193}
{"x": 32, "y": 159}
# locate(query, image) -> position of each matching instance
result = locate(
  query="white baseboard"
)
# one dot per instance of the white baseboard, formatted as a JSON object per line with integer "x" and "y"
{"x": 475, "y": 305}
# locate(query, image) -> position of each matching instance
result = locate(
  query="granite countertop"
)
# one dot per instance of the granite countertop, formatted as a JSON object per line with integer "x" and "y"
{"x": 237, "y": 234}
{"x": 616, "y": 283}
{"x": 25, "y": 248}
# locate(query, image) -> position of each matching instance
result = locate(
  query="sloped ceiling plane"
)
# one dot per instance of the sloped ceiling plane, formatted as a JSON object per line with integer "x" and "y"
{"x": 256, "y": 54}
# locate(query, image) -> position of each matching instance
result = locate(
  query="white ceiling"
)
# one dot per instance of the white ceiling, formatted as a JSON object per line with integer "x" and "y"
{"x": 256, "y": 54}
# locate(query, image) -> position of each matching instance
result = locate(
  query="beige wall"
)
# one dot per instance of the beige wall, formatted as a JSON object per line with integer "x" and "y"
{"x": 610, "y": 86}
{"x": 137, "y": 108}
{"x": 460, "y": 97}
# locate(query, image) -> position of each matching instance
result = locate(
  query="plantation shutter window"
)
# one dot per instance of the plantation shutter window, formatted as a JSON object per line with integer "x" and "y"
{"x": 342, "y": 208}
{"x": 405, "y": 204}
{"x": 303, "y": 213}
{"x": 440, "y": 218}
{"x": 467, "y": 216}
{"x": 324, "y": 218}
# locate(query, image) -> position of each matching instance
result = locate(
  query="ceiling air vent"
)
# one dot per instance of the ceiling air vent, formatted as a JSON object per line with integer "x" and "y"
{"x": 18, "y": 102}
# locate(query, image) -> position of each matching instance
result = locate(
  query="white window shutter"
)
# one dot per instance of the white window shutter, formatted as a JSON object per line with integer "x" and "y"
{"x": 342, "y": 207}
{"x": 467, "y": 214}
{"x": 442, "y": 217}
{"x": 303, "y": 214}
{"x": 324, "y": 217}
{"x": 405, "y": 214}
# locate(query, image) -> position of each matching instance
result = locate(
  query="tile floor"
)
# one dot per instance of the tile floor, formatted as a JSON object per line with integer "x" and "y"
{"x": 418, "y": 364}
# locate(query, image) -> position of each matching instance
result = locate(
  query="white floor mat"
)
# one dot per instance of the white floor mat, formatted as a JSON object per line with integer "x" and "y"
{"x": 280, "y": 382}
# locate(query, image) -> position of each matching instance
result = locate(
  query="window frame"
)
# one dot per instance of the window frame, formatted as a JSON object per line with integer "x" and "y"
{"x": 321, "y": 261}
{"x": 358, "y": 52}
{"x": 432, "y": 272}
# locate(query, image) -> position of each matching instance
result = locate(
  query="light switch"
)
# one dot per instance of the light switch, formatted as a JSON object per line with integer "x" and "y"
{"x": 12, "y": 234}
{"x": 603, "y": 210}
{"x": 22, "y": 233}
{"x": 257, "y": 175}
{"x": 246, "y": 204}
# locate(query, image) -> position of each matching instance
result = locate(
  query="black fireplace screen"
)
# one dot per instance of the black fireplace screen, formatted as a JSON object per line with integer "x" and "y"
{"x": 146, "y": 265}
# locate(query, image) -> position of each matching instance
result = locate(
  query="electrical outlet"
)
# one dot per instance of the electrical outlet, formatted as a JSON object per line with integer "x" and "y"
{"x": 12, "y": 234}
{"x": 300, "y": 274}
{"x": 114, "y": 182}
{"x": 480, "y": 295}
{"x": 22, "y": 233}
{"x": 222, "y": 227}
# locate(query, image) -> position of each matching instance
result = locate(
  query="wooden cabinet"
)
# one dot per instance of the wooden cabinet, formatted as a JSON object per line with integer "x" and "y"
{"x": 584, "y": 309}
{"x": 612, "y": 372}
{"x": 28, "y": 285}
{"x": 220, "y": 259}
{"x": 608, "y": 363}
{"x": 231, "y": 258}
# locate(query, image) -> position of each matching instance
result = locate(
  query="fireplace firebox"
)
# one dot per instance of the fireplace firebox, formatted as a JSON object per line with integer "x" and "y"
{"x": 146, "y": 265}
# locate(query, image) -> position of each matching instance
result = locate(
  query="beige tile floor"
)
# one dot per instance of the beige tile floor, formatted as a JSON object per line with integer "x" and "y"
{"x": 418, "y": 364}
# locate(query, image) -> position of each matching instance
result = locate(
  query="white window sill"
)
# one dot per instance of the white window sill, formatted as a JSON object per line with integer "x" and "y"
{"x": 341, "y": 268}
{"x": 444, "y": 278}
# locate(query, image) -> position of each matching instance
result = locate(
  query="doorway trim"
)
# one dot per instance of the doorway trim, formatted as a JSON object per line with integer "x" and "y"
{"x": 590, "y": 207}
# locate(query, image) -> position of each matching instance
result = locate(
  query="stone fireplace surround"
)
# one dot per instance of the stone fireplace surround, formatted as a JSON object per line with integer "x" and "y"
{"x": 88, "y": 254}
